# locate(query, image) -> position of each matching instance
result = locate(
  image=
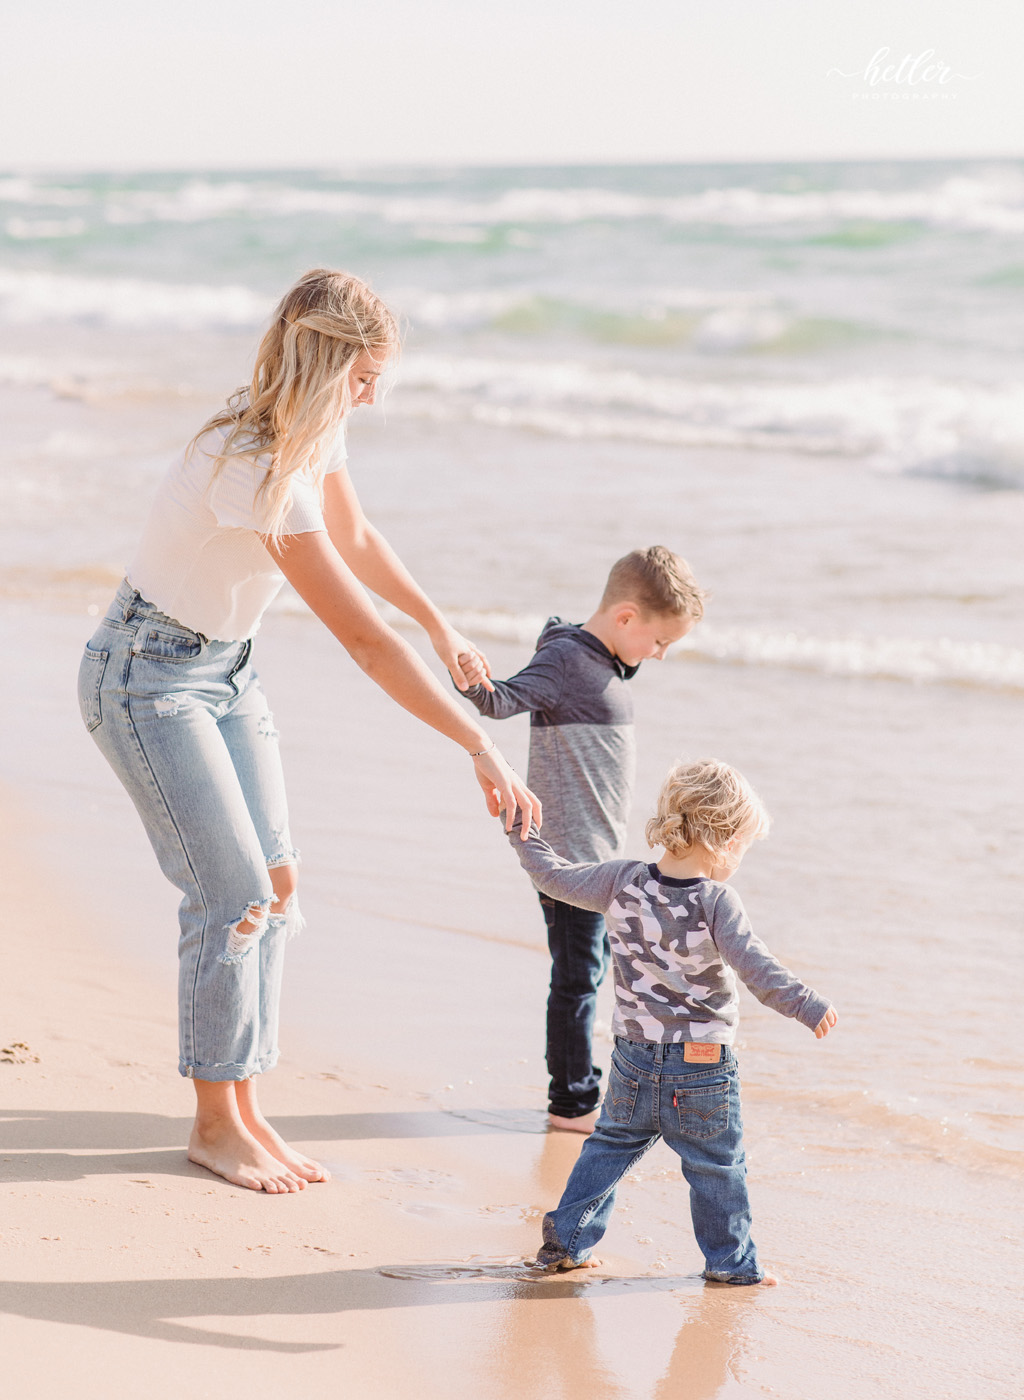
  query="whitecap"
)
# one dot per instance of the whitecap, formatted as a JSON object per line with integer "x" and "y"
{"x": 986, "y": 665}
{"x": 27, "y": 297}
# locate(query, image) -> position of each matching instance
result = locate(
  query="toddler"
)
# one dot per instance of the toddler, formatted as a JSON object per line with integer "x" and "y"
{"x": 679, "y": 938}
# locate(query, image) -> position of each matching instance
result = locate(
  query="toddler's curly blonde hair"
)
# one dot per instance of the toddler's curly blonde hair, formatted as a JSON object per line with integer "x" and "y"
{"x": 705, "y": 804}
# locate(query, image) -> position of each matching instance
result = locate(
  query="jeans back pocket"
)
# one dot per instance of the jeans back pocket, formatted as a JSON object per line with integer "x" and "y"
{"x": 703, "y": 1109}
{"x": 620, "y": 1096}
{"x": 90, "y": 681}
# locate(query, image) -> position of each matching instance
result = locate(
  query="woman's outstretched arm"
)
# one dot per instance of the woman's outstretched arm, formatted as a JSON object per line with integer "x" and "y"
{"x": 320, "y": 576}
{"x": 373, "y": 561}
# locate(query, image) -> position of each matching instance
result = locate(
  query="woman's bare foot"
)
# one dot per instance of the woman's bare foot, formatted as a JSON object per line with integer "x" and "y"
{"x": 226, "y": 1147}
{"x": 265, "y": 1135}
{"x": 222, "y": 1143}
{"x": 584, "y": 1124}
{"x": 275, "y": 1144}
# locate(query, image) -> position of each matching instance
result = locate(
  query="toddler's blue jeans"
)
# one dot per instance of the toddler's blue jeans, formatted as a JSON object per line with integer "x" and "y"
{"x": 652, "y": 1092}
{"x": 578, "y": 941}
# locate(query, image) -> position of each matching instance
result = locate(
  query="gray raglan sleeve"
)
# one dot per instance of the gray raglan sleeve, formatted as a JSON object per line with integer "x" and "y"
{"x": 757, "y": 968}
{"x": 536, "y": 687}
{"x": 592, "y": 885}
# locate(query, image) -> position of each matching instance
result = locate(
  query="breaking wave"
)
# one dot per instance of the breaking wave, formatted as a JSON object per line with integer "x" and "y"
{"x": 31, "y": 297}
{"x": 984, "y": 665}
{"x": 991, "y": 200}
{"x": 919, "y": 425}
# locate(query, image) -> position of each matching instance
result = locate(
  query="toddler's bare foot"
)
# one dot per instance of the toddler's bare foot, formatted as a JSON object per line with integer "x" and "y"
{"x": 768, "y": 1281}
{"x": 562, "y": 1266}
{"x": 232, "y": 1152}
{"x": 585, "y": 1124}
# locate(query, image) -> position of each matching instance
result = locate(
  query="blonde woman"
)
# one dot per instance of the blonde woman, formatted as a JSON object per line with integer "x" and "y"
{"x": 168, "y": 690}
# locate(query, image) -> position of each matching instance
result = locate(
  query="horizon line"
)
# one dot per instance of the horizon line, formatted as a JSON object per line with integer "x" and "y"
{"x": 169, "y": 168}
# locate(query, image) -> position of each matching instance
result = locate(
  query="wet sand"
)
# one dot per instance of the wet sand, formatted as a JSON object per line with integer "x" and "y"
{"x": 412, "y": 1066}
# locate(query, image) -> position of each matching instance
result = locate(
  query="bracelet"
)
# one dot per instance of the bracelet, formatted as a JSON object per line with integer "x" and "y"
{"x": 492, "y": 745}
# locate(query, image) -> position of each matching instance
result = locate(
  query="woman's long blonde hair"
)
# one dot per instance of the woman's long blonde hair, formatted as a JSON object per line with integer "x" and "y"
{"x": 299, "y": 391}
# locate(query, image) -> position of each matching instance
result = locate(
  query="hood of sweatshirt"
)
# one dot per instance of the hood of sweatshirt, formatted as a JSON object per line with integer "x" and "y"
{"x": 555, "y": 629}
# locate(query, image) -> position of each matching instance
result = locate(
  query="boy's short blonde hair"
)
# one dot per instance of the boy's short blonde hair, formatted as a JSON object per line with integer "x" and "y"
{"x": 657, "y": 581}
{"x": 705, "y": 804}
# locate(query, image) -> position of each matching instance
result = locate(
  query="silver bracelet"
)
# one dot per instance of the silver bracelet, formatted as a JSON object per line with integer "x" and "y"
{"x": 493, "y": 745}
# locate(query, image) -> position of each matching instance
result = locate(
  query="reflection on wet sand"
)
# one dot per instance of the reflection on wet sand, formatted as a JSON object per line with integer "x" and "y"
{"x": 564, "y": 1351}
{"x": 710, "y": 1337}
{"x": 541, "y": 1350}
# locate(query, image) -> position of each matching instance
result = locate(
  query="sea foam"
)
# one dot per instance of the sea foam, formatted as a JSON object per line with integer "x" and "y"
{"x": 940, "y": 661}
{"x": 914, "y": 424}
{"x": 27, "y": 297}
{"x": 985, "y": 200}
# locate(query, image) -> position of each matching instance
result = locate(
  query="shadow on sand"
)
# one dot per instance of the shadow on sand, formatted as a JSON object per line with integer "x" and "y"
{"x": 28, "y": 1128}
{"x": 152, "y": 1307}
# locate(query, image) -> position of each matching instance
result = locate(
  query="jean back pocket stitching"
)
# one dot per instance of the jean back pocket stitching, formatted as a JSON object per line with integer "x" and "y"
{"x": 92, "y": 715}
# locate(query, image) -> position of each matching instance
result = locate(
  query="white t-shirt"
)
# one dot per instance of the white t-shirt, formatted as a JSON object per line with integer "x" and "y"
{"x": 201, "y": 559}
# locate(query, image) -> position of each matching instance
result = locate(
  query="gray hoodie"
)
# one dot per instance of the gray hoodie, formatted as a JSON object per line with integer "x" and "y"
{"x": 582, "y": 745}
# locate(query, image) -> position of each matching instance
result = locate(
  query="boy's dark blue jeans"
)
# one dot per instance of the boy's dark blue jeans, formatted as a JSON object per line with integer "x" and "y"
{"x": 578, "y": 941}
{"x": 654, "y": 1092}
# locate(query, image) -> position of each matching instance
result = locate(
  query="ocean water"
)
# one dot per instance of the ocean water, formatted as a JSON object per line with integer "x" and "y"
{"x": 805, "y": 378}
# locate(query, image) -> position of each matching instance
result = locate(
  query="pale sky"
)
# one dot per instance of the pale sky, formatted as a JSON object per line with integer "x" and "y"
{"x": 107, "y": 84}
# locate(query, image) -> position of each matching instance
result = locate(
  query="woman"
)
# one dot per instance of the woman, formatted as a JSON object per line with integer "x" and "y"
{"x": 168, "y": 690}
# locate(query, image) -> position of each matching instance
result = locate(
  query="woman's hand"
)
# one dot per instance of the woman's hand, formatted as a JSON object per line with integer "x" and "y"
{"x": 466, "y": 665}
{"x": 504, "y": 789}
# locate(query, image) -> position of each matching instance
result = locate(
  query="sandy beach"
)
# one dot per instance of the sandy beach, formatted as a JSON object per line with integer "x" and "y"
{"x": 123, "y": 1261}
{"x": 412, "y": 1067}
{"x": 807, "y": 381}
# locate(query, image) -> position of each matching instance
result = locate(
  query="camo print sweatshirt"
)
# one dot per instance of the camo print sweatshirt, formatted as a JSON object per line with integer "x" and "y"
{"x": 677, "y": 947}
{"x": 582, "y": 746}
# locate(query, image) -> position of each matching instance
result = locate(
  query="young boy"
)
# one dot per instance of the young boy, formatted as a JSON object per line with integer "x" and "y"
{"x": 581, "y": 767}
{"x": 679, "y": 935}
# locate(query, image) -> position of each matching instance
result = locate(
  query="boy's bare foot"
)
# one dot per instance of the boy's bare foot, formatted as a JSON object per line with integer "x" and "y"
{"x": 230, "y": 1150}
{"x": 584, "y": 1124}
{"x": 252, "y": 1117}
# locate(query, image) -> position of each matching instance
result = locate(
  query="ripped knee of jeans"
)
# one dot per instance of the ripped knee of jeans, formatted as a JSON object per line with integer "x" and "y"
{"x": 290, "y": 920}
{"x": 247, "y": 931}
{"x": 284, "y": 907}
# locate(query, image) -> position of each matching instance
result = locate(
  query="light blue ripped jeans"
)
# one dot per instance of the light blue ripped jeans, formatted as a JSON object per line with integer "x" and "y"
{"x": 184, "y": 724}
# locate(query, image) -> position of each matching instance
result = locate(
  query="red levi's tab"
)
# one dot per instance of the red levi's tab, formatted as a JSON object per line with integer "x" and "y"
{"x": 694, "y": 1054}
